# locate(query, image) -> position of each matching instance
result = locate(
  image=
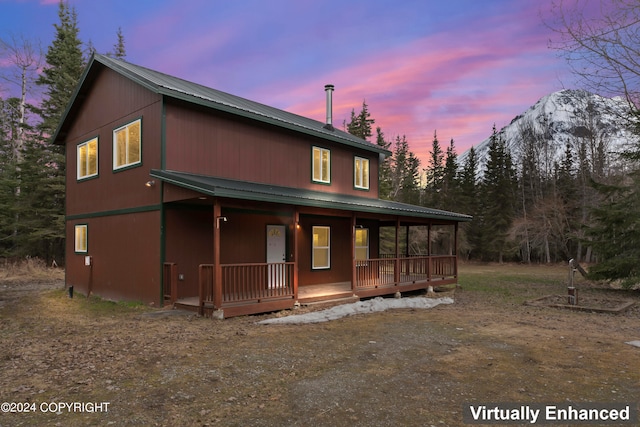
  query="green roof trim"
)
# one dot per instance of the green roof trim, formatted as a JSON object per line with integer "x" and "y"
{"x": 174, "y": 87}
{"x": 233, "y": 189}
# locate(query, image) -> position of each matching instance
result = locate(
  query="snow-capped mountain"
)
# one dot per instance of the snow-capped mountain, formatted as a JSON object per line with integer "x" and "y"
{"x": 574, "y": 116}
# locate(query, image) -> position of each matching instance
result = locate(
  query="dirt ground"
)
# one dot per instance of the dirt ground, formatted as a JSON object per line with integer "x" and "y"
{"x": 397, "y": 368}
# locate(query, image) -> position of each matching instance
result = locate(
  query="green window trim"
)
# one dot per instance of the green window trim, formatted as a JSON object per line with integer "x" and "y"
{"x": 81, "y": 241}
{"x": 127, "y": 145}
{"x": 361, "y": 173}
{"x": 87, "y": 159}
{"x": 321, "y": 248}
{"x": 361, "y": 245}
{"x": 320, "y": 165}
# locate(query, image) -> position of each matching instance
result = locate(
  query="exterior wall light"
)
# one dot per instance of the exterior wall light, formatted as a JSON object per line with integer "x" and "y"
{"x": 150, "y": 183}
{"x": 220, "y": 218}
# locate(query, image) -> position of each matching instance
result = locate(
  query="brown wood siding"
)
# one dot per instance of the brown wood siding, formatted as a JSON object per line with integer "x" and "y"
{"x": 217, "y": 144}
{"x": 113, "y": 101}
{"x": 125, "y": 251}
{"x": 340, "y": 250}
{"x": 243, "y": 237}
{"x": 189, "y": 243}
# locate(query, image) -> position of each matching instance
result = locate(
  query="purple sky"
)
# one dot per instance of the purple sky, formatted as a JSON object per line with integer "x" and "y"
{"x": 451, "y": 66}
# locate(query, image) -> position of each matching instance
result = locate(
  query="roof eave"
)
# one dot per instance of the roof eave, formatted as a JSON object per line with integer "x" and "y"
{"x": 307, "y": 202}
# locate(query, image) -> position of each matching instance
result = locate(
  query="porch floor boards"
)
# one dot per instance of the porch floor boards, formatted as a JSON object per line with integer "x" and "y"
{"x": 314, "y": 293}
{"x": 310, "y": 293}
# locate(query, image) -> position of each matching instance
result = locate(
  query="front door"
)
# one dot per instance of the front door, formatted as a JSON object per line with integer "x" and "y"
{"x": 276, "y": 255}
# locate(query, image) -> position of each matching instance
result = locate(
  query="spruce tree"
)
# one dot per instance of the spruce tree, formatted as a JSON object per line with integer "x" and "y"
{"x": 498, "y": 207}
{"x": 119, "y": 50}
{"x": 450, "y": 181}
{"x": 615, "y": 233}
{"x": 384, "y": 167}
{"x": 405, "y": 170}
{"x": 360, "y": 125}
{"x": 435, "y": 174}
{"x": 470, "y": 242}
{"x": 65, "y": 64}
{"x": 42, "y": 213}
{"x": 9, "y": 179}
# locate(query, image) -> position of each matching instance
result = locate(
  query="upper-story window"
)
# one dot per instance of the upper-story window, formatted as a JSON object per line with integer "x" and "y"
{"x": 88, "y": 159}
{"x": 361, "y": 173}
{"x": 321, "y": 165}
{"x": 127, "y": 144}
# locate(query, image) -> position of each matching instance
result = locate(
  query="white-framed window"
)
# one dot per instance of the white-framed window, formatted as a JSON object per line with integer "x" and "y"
{"x": 362, "y": 245}
{"x": 81, "y": 242}
{"x": 127, "y": 145}
{"x": 321, "y": 252}
{"x": 87, "y": 160}
{"x": 321, "y": 165}
{"x": 361, "y": 173}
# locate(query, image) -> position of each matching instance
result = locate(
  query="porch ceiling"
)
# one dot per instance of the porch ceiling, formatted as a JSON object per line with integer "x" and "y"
{"x": 242, "y": 190}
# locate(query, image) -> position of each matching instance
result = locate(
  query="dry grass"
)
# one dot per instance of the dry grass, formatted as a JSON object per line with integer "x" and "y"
{"x": 402, "y": 367}
{"x": 29, "y": 269}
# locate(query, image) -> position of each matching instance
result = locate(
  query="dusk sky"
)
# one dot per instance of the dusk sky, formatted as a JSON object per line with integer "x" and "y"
{"x": 451, "y": 66}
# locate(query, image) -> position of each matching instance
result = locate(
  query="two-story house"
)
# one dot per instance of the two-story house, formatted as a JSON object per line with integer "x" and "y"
{"x": 178, "y": 192}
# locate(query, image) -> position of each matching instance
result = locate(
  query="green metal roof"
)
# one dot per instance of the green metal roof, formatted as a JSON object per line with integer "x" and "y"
{"x": 194, "y": 93}
{"x": 233, "y": 189}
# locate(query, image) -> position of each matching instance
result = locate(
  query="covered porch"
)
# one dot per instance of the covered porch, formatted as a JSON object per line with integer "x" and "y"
{"x": 237, "y": 255}
{"x": 245, "y": 287}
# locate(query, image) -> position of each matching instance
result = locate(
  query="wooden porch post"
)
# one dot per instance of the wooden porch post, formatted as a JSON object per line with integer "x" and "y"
{"x": 429, "y": 251}
{"x": 217, "y": 269}
{"x": 406, "y": 242}
{"x": 352, "y": 247}
{"x": 455, "y": 250}
{"x": 396, "y": 270}
{"x": 296, "y": 229}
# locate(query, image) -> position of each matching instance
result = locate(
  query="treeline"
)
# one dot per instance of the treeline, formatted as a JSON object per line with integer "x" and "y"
{"x": 32, "y": 169}
{"x": 527, "y": 205}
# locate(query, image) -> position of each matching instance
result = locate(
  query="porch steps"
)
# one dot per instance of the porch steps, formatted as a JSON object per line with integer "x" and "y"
{"x": 334, "y": 300}
{"x": 189, "y": 304}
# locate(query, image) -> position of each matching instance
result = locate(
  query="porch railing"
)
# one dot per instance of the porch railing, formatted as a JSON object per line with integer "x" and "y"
{"x": 170, "y": 288}
{"x": 262, "y": 282}
{"x": 389, "y": 271}
{"x": 247, "y": 283}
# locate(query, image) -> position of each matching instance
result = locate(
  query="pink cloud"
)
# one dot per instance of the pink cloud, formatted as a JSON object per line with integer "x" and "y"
{"x": 458, "y": 87}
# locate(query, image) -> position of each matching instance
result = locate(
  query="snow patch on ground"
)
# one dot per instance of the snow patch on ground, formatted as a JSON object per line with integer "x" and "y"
{"x": 371, "y": 306}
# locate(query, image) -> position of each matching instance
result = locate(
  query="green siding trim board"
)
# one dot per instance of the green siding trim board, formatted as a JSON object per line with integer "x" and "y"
{"x": 114, "y": 212}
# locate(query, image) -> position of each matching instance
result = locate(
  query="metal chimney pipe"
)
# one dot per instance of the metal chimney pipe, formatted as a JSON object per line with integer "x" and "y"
{"x": 329, "y": 90}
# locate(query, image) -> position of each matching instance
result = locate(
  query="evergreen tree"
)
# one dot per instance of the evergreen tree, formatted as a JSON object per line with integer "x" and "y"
{"x": 119, "y": 50}
{"x": 405, "y": 170}
{"x": 435, "y": 174}
{"x": 498, "y": 188}
{"x": 8, "y": 176}
{"x": 470, "y": 242}
{"x": 615, "y": 234}
{"x": 450, "y": 182}
{"x": 410, "y": 183}
{"x": 43, "y": 168}
{"x": 65, "y": 64}
{"x": 360, "y": 125}
{"x": 384, "y": 167}
{"x": 615, "y": 231}
{"x": 469, "y": 182}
